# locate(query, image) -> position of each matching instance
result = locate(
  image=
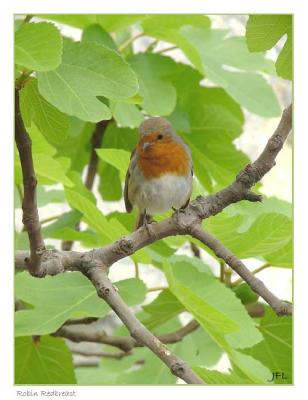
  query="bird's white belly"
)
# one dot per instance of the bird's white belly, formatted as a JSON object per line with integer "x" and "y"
{"x": 158, "y": 195}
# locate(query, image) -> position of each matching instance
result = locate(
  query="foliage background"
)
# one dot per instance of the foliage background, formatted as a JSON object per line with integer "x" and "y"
{"x": 241, "y": 93}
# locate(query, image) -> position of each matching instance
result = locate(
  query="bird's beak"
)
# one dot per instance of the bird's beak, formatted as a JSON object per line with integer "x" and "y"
{"x": 146, "y": 145}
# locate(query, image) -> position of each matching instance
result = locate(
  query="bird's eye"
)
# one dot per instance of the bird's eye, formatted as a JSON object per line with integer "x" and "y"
{"x": 159, "y": 137}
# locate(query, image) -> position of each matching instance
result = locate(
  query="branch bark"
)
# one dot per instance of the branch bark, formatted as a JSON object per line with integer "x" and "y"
{"x": 94, "y": 264}
{"x": 30, "y": 217}
{"x": 183, "y": 222}
{"x": 98, "y": 276}
{"x": 280, "y": 307}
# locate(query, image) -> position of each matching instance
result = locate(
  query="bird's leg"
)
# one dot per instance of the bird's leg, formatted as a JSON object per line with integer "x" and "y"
{"x": 147, "y": 221}
{"x": 177, "y": 211}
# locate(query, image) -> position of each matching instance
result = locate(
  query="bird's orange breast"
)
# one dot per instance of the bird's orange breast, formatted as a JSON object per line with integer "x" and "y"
{"x": 166, "y": 157}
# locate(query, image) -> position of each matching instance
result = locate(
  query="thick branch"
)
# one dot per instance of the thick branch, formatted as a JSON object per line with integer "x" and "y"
{"x": 280, "y": 307}
{"x": 138, "y": 331}
{"x": 181, "y": 223}
{"x": 29, "y": 204}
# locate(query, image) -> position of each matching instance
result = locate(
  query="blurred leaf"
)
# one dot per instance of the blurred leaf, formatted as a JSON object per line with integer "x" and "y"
{"x": 77, "y": 144}
{"x": 212, "y": 377}
{"x": 21, "y": 241}
{"x": 110, "y": 22}
{"x": 50, "y": 121}
{"x": 215, "y": 121}
{"x": 214, "y": 306}
{"x": 109, "y": 230}
{"x": 46, "y": 360}
{"x": 264, "y": 31}
{"x": 167, "y": 27}
{"x": 215, "y": 58}
{"x": 162, "y": 309}
{"x": 110, "y": 186}
{"x": 126, "y": 115}
{"x": 56, "y": 299}
{"x": 245, "y": 293}
{"x": 50, "y": 168}
{"x": 38, "y": 46}
{"x": 45, "y": 196}
{"x": 269, "y": 233}
{"x": 118, "y": 158}
{"x": 282, "y": 257}
{"x": 198, "y": 348}
{"x": 114, "y": 138}
{"x": 157, "y": 91}
{"x": 95, "y": 33}
{"x": 88, "y": 70}
{"x": 275, "y": 351}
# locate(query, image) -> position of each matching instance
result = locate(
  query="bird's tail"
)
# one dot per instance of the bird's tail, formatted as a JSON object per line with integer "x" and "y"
{"x": 142, "y": 219}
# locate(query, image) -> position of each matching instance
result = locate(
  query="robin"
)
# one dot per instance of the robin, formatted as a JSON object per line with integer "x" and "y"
{"x": 160, "y": 173}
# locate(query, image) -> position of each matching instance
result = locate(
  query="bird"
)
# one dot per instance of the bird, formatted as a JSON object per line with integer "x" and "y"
{"x": 160, "y": 172}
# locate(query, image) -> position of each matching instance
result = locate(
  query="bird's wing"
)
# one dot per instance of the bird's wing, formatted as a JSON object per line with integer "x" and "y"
{"x": 128, "y": 204}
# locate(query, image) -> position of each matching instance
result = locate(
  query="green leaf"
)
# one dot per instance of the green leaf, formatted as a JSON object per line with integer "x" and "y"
{"x": 126, "y": 115}
{"x": 38, "y": 46}
{"x": 109, "y": 231}
{"x": 215, "y": 59}
{"x": 52, "y": 123}
{"x": 56, "y": 299}
{"x": 162, "y": 309}
{"x": 198, "y": 348}
{"x": 275, "y": 351}
{"x": 269, "y": 233}
{"x": 77, "y": 143}
{"x": 215, "y": 121}
{"x": 48, "y": 196}
{"x": 158, "y": 92}
{"x": 212, "y": 377}
{"x": 109, "y": 186}
{"x": 88, "y": 70}
{"x": 167, "y": 27}
{"x": 50, "y": 168}
{"x": 213, "y": 305}
{"x": 110, "y": 22}
{"x": 46, "y": 360}
{"x": 95, "y": 33}
{"x": 118, "y": 158}
{"x": 245, "y": 294}
{"x": 264, "y": 31}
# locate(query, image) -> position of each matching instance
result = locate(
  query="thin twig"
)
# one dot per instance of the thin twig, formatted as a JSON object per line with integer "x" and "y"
{"x": 130, "y": 41}
{"x": 222, "y": 271}
{"x": 161, "y": 51}
{"x": 137, "y": 273}
{"x": 157, "y": 288}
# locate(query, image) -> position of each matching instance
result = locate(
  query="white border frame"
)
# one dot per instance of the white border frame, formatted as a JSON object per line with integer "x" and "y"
{"x": 296, "y": 7}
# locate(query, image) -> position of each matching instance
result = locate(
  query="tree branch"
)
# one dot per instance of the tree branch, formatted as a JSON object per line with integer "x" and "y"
{"x": 98, "y": 276}
{"x": 95, "y": 263}
{"x": 182, "y": 222}
{"x": 29, "y": 205}
{"x": 280, "y": 307}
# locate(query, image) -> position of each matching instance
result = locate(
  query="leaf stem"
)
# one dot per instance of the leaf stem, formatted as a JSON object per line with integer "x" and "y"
{"x": 166, "y": 50}
{"x": 254, "y": 272}
{"x": 130, "y": 41}
{"x": 157, "y": 288}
